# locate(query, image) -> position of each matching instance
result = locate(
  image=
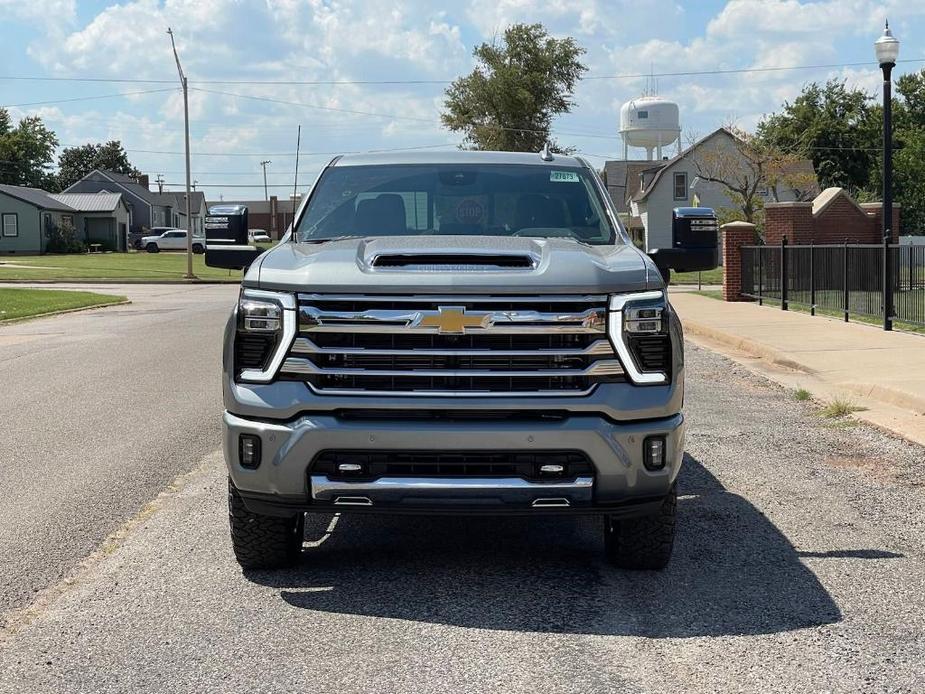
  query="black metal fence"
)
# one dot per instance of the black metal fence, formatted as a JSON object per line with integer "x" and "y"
{"x": 842, "y": 279}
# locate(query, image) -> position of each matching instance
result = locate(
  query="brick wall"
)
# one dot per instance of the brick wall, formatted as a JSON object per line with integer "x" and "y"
{"x": 832, "y": 218}
{"x": 735, "y": 235}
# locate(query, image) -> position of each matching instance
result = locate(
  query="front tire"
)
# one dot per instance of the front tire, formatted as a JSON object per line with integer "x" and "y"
{"x": 198, "y": 249}
{"x": 643, "y": 543}
{"x": 263, "y": 542}
{"x": 152, "y": 248}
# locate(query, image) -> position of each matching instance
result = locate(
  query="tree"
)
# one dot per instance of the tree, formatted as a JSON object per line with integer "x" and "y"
{"x": 836, "y": 126}
{"x": 76, "y": 162}
{"x": 508, "y": 102}
{"x": 26, "y": 151}
{"x": 748, "y": 166}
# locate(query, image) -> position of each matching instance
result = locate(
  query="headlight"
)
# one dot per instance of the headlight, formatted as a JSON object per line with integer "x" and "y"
{"x": 638, "y": 328}
{"x": 266, "y": 328}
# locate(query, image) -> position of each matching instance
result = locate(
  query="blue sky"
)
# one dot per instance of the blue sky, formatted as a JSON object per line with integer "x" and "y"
{"x": 340, "y": 40}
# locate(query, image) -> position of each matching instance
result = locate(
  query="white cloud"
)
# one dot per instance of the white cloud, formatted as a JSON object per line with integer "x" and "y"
{"x": 422, "y": 40}
{"x": 54, "y": 15}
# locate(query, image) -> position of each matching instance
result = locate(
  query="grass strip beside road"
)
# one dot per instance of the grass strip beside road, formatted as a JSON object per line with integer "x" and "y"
{"x": 101, "y": 267}
{"x": 708, "y": 277}
{"x": 25, "y": 303}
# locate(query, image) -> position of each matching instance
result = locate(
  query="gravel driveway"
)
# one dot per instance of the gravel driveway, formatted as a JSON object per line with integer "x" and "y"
{"x": 798, "y": 567}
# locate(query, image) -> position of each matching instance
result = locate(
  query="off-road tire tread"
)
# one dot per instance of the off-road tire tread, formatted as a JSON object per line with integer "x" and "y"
{"x": 262, "y": 542}
{"x": 643, "y": 543}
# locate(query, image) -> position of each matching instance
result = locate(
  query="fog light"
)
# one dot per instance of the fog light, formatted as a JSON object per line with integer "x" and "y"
{"x": 552, "y": 469}
{"x": 350, "y": 468}
{"x": 653, "y": 452}
{"x": 249, "y": 451}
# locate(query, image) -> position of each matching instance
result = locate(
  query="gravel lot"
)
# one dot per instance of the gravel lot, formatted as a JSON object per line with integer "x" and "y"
{"x": 798, "y": 568}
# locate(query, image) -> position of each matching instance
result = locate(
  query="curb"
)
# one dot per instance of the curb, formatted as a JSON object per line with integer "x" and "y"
{"x": 756, "y": 349}
{"x": 11, "y": 321}
{"x": 884, "y": 394}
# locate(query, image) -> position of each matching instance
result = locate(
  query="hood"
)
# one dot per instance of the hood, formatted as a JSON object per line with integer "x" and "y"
{"x": 453, "y": 264}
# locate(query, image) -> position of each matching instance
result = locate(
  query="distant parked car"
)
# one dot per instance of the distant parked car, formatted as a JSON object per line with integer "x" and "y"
{"x": 171, "y": 240}
{"x": 259, "y": 236}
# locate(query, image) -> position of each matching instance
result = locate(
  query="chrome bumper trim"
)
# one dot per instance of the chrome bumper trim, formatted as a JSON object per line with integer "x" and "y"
{"x": 421, "y": 490}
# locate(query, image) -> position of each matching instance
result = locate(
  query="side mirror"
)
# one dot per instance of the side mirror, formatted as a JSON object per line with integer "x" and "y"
{"x": 694, "y": 242}
{"x": 231, "y": 257}
{"x": 227, "y": 244}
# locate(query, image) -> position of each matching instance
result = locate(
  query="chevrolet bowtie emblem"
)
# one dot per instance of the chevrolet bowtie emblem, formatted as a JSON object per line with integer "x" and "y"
{"x": 453, "y": 320}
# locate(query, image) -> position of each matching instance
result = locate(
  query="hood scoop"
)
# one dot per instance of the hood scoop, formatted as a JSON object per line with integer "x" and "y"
{"x": 453, "y": 262}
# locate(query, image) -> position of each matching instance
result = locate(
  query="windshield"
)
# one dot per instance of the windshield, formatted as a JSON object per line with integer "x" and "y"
{"x": 525, "y": 200}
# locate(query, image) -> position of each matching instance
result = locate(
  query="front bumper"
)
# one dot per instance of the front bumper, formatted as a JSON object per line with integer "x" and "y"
{"x": 620, "y": 483}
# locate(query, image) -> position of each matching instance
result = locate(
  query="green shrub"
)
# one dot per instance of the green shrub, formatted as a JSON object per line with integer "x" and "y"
{"x": 63, "y": 239}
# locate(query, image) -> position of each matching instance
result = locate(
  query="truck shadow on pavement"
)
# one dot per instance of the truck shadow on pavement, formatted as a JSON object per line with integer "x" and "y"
{"x": 733, "y": 572}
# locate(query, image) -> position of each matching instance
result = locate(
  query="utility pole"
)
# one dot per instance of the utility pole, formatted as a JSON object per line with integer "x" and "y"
{"x": 266, "y": 194}
{"x": 189, "y": 218}
{"x": 160, "y": 183}
{"x": 194, "y": 184}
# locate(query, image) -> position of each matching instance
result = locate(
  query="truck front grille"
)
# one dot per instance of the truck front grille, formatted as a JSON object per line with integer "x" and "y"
{"x": 452, "y": 345}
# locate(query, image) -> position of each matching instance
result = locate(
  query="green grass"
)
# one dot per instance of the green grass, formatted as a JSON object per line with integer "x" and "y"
{"x": 839, "y": 408}
{"x": 109, "y": 266}
{"x": 802, "y": 394}
{"x": 22, "y": 303}
{"x": 714, "y": 276}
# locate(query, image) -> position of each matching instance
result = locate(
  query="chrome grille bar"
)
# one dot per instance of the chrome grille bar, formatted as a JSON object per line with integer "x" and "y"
{"x": 604, "y": 367}
{"x": 311, "y": 319}
{"x": 304, "y": 345}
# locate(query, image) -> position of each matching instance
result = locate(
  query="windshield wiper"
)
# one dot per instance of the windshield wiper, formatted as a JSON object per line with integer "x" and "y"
{"x": 333, "y": 238}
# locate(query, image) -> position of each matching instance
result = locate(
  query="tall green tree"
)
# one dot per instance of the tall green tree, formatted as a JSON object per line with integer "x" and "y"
{"x": 26, "y": 151}
{"x": 76, "y": 162}
{"x": 519, "y": 86}
{"x": 836, "y": 126}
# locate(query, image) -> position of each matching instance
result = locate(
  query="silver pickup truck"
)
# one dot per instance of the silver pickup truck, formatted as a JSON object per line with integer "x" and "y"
{"x": 453, "y": 332}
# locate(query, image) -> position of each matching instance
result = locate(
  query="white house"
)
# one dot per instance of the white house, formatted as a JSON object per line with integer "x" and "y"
{"x": 649, "y": 191}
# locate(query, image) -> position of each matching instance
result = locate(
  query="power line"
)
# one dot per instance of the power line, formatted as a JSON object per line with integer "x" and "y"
{"x": 362, "y": 82}
{"x": 285, "y": 154}
{"x": 387, "y": 115}
{"x": 89, "y": 98}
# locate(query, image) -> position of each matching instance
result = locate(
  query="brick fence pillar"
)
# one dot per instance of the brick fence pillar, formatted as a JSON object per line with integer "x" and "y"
{"x": 735, "y": 235}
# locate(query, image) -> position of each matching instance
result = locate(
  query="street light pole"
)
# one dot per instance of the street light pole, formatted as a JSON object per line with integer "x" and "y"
{"x": 189, "y": 218}
{"x": 887, "y": 51}
{"x": 266, "y": 193}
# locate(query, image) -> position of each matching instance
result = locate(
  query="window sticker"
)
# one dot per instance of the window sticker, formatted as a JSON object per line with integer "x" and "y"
{"x": 563, "y": 177}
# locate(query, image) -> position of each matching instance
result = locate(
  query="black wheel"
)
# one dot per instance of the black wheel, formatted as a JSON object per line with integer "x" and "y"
{"x": 198, "y": 249}
{"x": 644, "y": 542}
{"x": 263, "y": 542}
{"x": 152, "y": 248}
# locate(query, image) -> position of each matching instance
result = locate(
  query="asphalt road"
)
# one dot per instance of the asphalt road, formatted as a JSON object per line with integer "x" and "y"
{"x": 798, "y": 568}
{"x": 100, "y": 410}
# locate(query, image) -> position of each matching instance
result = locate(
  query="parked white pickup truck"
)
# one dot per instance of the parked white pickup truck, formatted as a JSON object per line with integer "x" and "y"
{"x": 172, "y": 240}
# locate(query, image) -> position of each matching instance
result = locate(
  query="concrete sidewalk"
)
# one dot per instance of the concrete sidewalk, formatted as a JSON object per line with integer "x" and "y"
{"x": 883, "y": 372}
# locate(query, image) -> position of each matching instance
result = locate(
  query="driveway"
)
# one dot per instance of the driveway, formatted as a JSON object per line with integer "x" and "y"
{"x": 798, "y": 567}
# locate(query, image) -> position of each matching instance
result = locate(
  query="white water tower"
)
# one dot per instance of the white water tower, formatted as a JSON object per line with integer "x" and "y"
{"x": 650, "y": 122}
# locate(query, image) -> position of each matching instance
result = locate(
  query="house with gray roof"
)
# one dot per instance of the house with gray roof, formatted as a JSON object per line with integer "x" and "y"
{"x": 25, "y": 213}
{"x": 148, "y": 208}
{"x": 103, "y": 218}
